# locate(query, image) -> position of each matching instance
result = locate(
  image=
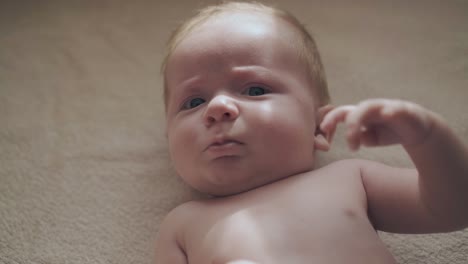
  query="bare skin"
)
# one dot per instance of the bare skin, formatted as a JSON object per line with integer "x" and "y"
{"x": 330, "y": 215}
{"x": 315, "y": 217}
{"x": 243, "y": 126}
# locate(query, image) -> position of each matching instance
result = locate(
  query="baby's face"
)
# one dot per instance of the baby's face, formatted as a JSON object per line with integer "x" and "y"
{"x": 240, "y": 112}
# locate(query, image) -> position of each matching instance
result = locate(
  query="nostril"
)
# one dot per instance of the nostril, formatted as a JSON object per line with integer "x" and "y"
{"x": 227, "y": 114}
{"x": 211, "y": 119}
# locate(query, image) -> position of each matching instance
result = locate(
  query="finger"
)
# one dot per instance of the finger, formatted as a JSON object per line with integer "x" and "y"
{"x": 353, "y": 139}
{"x": 378, "y": 136}
{"x": 335, "y": 116}
{"x": 384, "y": 122}
{"x": 357, "y": 122}
{"x": 409, "y": 121}
{"x": 364, "y": 113}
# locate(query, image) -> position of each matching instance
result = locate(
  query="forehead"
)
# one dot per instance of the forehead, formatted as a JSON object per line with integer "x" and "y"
{"x": 233, "y": 25}
{"x": 238, "y": 38}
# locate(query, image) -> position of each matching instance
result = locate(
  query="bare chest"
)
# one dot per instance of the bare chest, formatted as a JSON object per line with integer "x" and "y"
{"x": 292, "y": 222}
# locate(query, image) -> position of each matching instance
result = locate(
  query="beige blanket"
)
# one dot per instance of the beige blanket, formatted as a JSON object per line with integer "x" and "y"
{"x": 84, "y": 171}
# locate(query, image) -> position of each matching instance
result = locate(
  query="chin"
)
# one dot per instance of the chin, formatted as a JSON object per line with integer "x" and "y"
{"x": 223, "y": 191}
{"x": 230, "y": 189}
{"x": 232, "y": 184}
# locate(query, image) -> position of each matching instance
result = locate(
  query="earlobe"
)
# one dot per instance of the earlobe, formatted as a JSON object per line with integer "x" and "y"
{"x": 322, "y": 139}
{"x": 323, "y": 110}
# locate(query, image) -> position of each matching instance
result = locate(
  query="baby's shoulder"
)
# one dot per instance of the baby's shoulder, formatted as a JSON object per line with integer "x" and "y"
{"x": 346, "y": 163}
{"x": 340, "y": 168}
{"x": 183, "y": 212}
{"x": 350, "y": 166}
{"x": 349, "y": 171}
{"x": 174, "y": 223}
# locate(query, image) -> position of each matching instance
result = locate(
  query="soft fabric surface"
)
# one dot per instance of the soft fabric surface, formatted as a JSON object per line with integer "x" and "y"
{"x": 84, "y": 170}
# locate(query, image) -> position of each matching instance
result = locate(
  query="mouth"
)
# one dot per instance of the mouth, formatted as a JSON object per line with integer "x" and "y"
{"x": 223, "y": 143}
{"x": 224, "y": 147}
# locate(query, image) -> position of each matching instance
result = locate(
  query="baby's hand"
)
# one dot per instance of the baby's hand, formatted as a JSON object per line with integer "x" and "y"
{"x": 380, "y": 122}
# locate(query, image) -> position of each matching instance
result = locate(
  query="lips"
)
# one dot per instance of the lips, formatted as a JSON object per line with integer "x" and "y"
{"x": 223, "y": 143}
{"x": 224, "y": 147}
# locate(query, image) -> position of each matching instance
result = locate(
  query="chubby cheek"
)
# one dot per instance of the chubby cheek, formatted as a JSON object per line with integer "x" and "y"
{"x": 182, "y": 143}
{"x": 289, "y": 129}
{"x": 290, "y": 119}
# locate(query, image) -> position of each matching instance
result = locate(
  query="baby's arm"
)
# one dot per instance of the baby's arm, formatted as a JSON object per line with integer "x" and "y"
{"x": 168, "y": 248}
{"x": 431, "y": 198}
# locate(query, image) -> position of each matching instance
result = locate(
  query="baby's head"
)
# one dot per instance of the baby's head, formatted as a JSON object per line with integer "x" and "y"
{"x": 244, "y": 89}
{"x": 302, "y": 40}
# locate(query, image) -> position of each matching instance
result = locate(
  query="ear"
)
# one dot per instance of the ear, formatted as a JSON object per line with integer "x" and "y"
{"x": 323, "y": 140}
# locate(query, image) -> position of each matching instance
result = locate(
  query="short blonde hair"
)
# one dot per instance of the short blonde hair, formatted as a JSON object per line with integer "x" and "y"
{"x": 308, "y": 48}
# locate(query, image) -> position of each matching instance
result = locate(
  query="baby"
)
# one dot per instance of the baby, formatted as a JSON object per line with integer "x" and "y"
{"x": 247, "y": 107}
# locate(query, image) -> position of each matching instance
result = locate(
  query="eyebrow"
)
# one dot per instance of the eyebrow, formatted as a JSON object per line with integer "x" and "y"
{"x": 256, "y": 72}
{"x": 251, "y": 69}
{"x": 188, "y": 85}
{"x": 188, "y": 82}
{"x": 179, "y": 90}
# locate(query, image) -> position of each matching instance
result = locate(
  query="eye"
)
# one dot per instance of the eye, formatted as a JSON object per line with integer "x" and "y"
{"x": 256, "y": 91}
{"x": 192, "y": 103}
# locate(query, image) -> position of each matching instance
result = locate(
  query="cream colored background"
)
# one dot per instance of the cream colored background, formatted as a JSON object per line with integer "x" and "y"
{"x": 84, "y": 172}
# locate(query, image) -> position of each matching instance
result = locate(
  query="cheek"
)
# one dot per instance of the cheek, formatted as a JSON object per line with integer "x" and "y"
{"x": 287, "y": 132}
{"x": 291, "y": 118}
{"x": 181, "y": 138}
{"x": 286, "y": 139}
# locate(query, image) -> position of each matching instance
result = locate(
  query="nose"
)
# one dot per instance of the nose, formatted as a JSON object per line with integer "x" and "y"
{"x": 220, "y": 108}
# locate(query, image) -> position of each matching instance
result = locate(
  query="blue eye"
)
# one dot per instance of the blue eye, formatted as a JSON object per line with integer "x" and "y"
{"x": 256, "y": 91}
{"x": 192, "y": 103}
